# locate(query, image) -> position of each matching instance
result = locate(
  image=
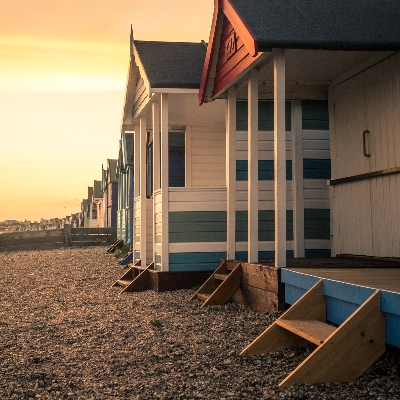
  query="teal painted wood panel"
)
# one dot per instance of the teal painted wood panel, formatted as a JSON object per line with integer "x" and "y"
{"x": 195, "y": 261}
{"x": 262, "y": 255}
{"x": 316, "y": 168}
{"x": 265, "y": 170}
{"x": 315, "y": 115}
{"x": 266, "y": 225}
{"x": 317, "y": 253}
{"x": 265, "y": 115}
{"x": 317, "y": 223}
{"x": 197, "y": 226}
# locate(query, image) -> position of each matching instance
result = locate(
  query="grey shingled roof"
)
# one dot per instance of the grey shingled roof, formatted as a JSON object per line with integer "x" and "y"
{"x": 323, "y": 24}
{"x": 172, "y": 64}
{"x": 129, "y": 147}
{"x": 97, "y": 193}
{"x": 112, "y": 170}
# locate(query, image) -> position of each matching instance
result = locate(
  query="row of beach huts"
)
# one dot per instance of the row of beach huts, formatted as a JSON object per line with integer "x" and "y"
{"x": 272, "y": 153}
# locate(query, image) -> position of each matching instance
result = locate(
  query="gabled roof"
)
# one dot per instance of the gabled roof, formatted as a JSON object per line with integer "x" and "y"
{"x": 303, "y": 24}
{"x": 171, "y": 64}
{"x": 112, "y": 170}
{"x": 90, "y": 194}
{"x": 128, "y": 148}
{"x": 97, "y": 193}
{"x": 322, "y": 24}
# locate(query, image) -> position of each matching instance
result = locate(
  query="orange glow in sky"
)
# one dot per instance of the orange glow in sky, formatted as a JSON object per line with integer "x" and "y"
{"x": 63, "y": 68}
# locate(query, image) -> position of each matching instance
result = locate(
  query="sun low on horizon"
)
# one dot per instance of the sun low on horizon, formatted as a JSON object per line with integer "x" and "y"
{"x": 63, "y": 69}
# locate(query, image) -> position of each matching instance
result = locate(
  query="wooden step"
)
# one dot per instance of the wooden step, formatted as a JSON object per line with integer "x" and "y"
{"x": 230, "y": 265}
{"x": 203, "y": 296}
{"x": 221, "y": 277}
{"x": 312, "y": 330}
{"x": 123, "y": 282}
{"x": 343, "y": 353}
{"x": 141, "y": 280}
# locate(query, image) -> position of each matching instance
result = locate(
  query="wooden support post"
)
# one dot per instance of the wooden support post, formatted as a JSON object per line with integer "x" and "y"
{"x": 231, "y": 174}
{"x": 298, "y": 190}
{"x": 136, "y": 161}
{"x": 136, "y": 180}
{"x": 156, "y": 165}
{"x": 164, "y": 184}
{"x": 156, "y": 146}
{"x": 279, "y": 157}
{"x": 253, "y": 167}
{"x": 67, "y": 234}
{"x": 142, "y": 190}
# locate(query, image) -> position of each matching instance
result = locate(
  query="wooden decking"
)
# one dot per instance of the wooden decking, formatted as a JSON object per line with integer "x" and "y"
{"x": 379, "y": 278}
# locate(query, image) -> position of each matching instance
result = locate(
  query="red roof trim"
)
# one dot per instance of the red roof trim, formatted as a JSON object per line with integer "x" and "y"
{"x": 209, "y": 53}
{"x": 240, "y": 26}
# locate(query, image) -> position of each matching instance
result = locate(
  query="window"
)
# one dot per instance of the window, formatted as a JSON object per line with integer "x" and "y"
{"x": 149, "y": 165}
{"x": 176, "y": 156}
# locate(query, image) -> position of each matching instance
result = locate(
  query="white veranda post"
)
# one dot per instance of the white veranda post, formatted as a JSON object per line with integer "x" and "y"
{"x": 253, "y": 167}
{"x": 279, "y": 157}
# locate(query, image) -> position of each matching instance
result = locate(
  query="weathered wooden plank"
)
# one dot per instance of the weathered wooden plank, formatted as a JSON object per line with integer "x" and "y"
{"x": 91, "y": 238}
{"x": 32, "y": 241}
{"x": 261, "y": 276}
{"x": 101, "y": 231}
{"x": 29, "y": 247}
{"x": 272, "y": 339}
{"x": 312, "y": 330}
{"x": 30, "y": 234}
{"x": 257, "y": 299}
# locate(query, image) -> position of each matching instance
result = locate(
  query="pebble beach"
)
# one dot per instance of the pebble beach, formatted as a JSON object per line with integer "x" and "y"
{"x": 65, "y": 333}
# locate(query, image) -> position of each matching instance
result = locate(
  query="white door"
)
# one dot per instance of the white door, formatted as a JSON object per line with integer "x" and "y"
{"x": 366, "y": 138}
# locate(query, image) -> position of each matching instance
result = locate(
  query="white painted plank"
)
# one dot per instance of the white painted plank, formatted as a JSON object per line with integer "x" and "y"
{"x": 200, "y": 247}
{"x": 279, "y": 157}
{"x": 164, "y": 183}
{"x": 253, "y": 166}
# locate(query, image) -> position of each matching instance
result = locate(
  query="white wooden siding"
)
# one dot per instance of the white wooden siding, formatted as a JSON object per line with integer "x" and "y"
{"x": 265, "y": 145}
{"x": 207, "y": 155}
{"x": 140, "y": 96}
{"x": 316, "y": 144}
{"x": 197, "y": 199}
{"x": 149, "y": 231}
{"x": 316, "y": 193}
{"x": 136, "y": 229}
{"x": 266, "y": 197}
{"x": 367, "y": 213}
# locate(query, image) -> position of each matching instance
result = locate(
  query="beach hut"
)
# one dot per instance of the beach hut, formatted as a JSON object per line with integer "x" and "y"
{"x": 306, "y": 52}
{"x": 125, "y": 188}
{"x": 110, "y": 194}
{"x": 179, "y": 160}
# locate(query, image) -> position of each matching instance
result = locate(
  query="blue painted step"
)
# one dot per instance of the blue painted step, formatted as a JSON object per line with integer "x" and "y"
{"x": 127, "y": 259}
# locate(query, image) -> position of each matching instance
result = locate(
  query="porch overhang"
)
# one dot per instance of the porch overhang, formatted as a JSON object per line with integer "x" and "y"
{"x": 320, "y": 44}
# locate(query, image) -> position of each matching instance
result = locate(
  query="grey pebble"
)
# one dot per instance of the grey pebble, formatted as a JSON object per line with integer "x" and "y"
{"x": 66, "y": 334}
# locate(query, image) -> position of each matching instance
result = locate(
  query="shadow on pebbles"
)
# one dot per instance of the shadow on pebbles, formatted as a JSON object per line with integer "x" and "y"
{"x": 66, "y": 334}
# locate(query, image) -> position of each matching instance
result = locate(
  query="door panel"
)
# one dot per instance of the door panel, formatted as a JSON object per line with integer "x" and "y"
{"x": 367, "y": 213}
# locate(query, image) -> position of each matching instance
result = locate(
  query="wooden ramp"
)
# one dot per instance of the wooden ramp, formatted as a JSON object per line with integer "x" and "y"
{"x": 136, "y": 279}
{"x": 221, "y": 285}
{"x": 343, "y": 353}
{"x": 116, "y": 245}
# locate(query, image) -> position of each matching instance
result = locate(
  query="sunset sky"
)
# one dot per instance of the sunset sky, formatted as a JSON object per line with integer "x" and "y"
{"x": 63, "y": 68}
